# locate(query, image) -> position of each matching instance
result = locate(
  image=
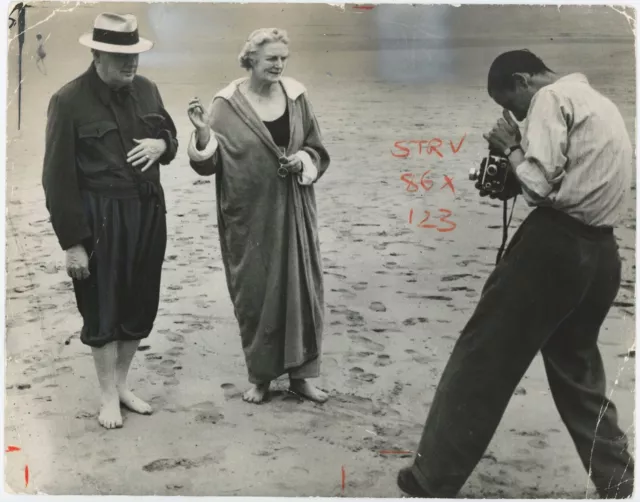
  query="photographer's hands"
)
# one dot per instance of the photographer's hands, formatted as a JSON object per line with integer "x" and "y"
{"x": 505, "y": 134}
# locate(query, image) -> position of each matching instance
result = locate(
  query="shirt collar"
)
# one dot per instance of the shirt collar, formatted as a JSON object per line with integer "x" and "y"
{"x": 574, "y": 77}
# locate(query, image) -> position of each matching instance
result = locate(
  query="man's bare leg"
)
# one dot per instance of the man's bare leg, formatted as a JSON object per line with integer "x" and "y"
{"x": 105, "y": 362}
{"x": 126, "y": 351}
{"x": 257, "y": 393}
{"x": 305, "y": 389}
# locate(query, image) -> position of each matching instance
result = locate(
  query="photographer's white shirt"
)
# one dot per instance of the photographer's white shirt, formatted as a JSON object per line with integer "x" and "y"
{"x": 578, "y": 154}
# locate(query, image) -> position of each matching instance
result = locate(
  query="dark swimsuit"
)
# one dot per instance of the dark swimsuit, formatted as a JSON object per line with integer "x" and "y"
{"x": 279, "y": 129}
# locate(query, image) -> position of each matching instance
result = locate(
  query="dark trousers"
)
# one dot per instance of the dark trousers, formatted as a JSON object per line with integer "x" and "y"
{"x": 551, "y": 292}
{"x": 120, "y": 299}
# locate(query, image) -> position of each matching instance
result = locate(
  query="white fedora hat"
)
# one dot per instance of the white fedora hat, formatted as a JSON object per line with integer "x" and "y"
{"x": 116, "y": 33}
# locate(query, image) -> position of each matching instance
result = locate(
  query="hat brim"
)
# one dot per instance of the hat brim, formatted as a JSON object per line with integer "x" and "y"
{"x": 143, "y": 45}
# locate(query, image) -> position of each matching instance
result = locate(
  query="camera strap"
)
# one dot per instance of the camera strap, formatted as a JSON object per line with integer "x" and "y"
{"x": 505, "y": 227}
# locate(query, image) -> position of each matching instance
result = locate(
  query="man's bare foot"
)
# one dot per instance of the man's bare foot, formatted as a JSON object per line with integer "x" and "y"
{"x": 133, "y": 402}
{"x": 256, "y": 394}
{"x": 305, "y": 389}
{"x": 110, "y": 417}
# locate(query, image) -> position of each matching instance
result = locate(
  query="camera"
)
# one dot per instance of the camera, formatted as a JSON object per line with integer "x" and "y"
{"x": 493, "y": 172}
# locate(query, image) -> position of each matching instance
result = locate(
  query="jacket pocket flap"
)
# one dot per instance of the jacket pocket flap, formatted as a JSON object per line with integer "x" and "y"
{"x": 96, "y": 129}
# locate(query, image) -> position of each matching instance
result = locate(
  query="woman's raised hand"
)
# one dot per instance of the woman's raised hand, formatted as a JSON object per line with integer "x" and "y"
{"x": 198, "y": 114}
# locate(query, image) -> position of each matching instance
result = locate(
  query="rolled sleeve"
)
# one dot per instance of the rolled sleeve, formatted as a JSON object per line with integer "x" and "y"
{"x": 309, "y": 171}
{"x": 546, "y": 138}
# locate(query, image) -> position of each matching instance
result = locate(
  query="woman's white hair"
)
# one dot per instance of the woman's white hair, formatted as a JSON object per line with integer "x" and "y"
{"x": 257, "y": 39}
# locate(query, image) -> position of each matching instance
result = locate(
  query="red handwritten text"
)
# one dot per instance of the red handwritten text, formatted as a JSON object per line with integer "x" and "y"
{"x": 425, "y": 182}
{"x": 344, "y": 476}
{"x": 403, "y": 148}
{"x": 424, "y": 222}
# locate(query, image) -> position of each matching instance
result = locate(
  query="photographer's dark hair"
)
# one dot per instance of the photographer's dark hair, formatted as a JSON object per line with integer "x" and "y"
{"x": 508, "y": 63}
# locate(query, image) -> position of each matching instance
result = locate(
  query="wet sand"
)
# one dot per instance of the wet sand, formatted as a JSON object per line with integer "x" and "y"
{"x": 397, "y": 295}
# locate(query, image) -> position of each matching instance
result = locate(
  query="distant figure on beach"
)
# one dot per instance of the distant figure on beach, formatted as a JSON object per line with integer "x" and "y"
{"x": 261, "y": 139}
{"x": 107, "y": 134}
{"x": 552, "y": 290}
{"x": 40, "y": 54}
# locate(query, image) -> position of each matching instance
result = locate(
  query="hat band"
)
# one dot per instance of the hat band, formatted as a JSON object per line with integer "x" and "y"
{"x": 115, "y": 37}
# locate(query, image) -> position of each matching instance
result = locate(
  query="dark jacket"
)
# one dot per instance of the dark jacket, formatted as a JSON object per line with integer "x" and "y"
{"x": 90, "y": 129}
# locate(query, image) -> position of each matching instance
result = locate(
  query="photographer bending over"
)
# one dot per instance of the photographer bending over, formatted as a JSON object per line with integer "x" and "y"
{"x": 550, "y": 292}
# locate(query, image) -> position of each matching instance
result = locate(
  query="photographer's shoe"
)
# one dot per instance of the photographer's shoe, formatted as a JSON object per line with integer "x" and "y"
{"x": 408, "y": 484}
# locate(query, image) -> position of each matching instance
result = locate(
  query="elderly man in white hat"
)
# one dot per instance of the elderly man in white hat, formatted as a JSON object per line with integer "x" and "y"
{"x": 107, "y": 134}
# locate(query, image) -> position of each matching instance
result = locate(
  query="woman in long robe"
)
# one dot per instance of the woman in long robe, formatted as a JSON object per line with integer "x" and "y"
{"x": 262, "y": 141}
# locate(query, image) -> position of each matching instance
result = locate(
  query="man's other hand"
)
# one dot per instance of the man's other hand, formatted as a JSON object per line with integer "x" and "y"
{"x": 77, "y": 262}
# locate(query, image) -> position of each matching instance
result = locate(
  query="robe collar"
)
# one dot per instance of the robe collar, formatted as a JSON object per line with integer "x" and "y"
{"x": 292, "y": 88}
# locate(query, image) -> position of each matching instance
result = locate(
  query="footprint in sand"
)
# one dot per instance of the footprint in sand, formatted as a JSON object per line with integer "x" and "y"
{"x": 455, "y": 277}
{"x": 345, "y": 292}
{"x": 355, "y": 318}
{"x": 412, "y": 321}
{"x": 152, "y": 357}
{"x": 175, "y": 338}
{"x": 175, "y": 352}
{"x": 360, "y": 286}
{"x": 424, "y": 359}
{"x": 383, "y": 360}
{"x": 166, "y": 464}
{"x": 378, "y": 307}
{"x": 359, "y": 374}
{"x": 58, "y": 372}
{"x": 368, "y": 343}
{"x": 230, "y": 391}
{"x": 364, "y": 354}
{"x": 538, "y": 443}
{"x": 142, "y": 348}
{"x": 212, "y": 417}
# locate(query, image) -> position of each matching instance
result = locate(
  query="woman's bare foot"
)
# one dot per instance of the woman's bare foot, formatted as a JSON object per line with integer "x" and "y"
{"x": 256, "y": 394}
{"x": 133, "y": 402}
{"x": 305, "y": 389}
{"x": 110, "y": 417}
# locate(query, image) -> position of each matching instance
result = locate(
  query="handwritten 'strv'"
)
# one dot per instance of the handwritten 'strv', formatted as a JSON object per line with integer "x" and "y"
{"x": 433, "y": 146}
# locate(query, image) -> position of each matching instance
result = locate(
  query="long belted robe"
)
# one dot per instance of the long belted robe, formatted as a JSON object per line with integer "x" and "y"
{"x": 268, "y": 231}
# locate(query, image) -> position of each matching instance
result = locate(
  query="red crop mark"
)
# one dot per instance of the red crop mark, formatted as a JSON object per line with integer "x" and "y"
{"x": 364, "y": 7}
{"x": 11, "y": 448}
{"x": 344, "y": 477}
{"x": 26, "y": 475}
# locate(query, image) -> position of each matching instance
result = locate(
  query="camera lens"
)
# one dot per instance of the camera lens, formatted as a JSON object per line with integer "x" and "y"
{"x": 492, "y": 169}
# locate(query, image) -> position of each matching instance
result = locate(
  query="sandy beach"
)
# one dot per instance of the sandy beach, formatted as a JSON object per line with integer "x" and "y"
{"x": 397, "y": 294}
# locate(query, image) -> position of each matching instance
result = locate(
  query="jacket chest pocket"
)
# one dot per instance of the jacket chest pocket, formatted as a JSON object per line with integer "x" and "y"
{"x": 96, "y": 131}
{"x": 96, "y": 149}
